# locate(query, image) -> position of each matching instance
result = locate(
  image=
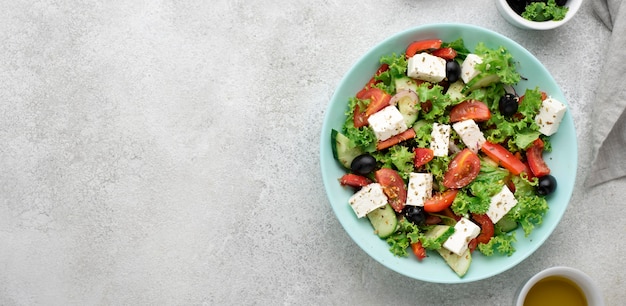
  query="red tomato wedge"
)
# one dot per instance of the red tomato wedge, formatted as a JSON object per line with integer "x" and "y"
{"x": 534, "y": 156}
{"x": 378, "y": 100}
{"x": 504, "y": 158}
{"x": 359, "y": 117}
{"x": 354, "y": 180}
{"x": 462, "y": 170}
{"x": 470, "y": 109}
{"x": 394, "y": 140}
{"x": 393, "y": 187}
{"x": 440, "y": 201}
{"x": 422, "y": 156}
{"x": 422, "y": 45}
{"x": 445, "y": 53}
{"x": 418, "y": 250}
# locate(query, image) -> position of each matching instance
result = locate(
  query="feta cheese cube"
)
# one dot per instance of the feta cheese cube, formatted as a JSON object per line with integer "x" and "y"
{"x": 501, "y": 204}
{"x": 420, "y": 188}
{"x": 427, "y": 67}
{"x": 470, "y": 134}
{"x": 387, "y": 122}
{"x": 550, "y": 115}
{"x": 468, "y": 68}
{"x": 440, "y": 139}
{"x": 367, "y": 199}
{"x": 464, "y": 231}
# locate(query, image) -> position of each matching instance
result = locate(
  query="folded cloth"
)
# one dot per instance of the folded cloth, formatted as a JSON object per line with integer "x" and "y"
{"x": 608, "y": 118}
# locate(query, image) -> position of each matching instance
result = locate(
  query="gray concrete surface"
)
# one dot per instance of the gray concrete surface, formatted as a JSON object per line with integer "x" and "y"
{"x": 166, "y": 153}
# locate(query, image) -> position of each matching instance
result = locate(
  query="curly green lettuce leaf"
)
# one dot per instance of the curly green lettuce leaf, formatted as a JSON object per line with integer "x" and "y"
{"x": 489, "y": 181}
{"x": 499, "y": 244}
{"x": 397, "y": 157}
{"x": 516, "y": 132}
{"x": 459, "y": 46}
{"x": 530, "y": 207}
{"x": 438, "y": 167}
{"x": 499, "y": 62}
{"x": 438, "y": 100}
{"x": 541, "y": 11}
{"x": 406, "y": 234}
{"x": 363, "y": 137}
{"x": 397, "y": 69}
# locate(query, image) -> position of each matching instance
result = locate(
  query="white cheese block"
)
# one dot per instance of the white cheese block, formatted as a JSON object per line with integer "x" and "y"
{"x": 470, "y": 134}
{"x": 420, "y": 188}
{"x": 468, "y": 68}
{"x": 501, "y": 204}
{"x": 424, "y": 66}
{"x": 550, "y": 115}
{"x": 440, "y": 139}
{"x": 387, "y": 122}
{"x": 464, "y": 231}
{"x": 367, "y": 199}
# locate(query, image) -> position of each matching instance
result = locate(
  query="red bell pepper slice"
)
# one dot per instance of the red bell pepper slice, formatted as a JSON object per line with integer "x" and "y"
{"x": 503, "y": 157}
{"x": 394, "y": 140}
{"x": 354, "y": 180}
{"x": 422, "y": 45}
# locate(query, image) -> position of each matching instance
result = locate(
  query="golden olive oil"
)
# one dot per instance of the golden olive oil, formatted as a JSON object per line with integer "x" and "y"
{"x": 555, "y": 290}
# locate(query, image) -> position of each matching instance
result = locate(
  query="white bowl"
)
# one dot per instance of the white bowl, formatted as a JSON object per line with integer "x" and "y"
{"x": 592, "y": 292}
{"x": 512, "y": 17}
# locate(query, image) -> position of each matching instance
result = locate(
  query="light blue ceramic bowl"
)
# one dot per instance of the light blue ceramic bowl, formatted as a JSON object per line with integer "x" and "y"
{"x": 562, "y": 160}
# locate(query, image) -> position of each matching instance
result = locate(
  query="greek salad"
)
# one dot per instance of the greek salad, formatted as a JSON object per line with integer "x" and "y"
{"x": 444, "y": 156}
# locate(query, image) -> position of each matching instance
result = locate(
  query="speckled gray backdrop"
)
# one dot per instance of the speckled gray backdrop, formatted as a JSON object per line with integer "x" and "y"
{"x": 166, "y": 152}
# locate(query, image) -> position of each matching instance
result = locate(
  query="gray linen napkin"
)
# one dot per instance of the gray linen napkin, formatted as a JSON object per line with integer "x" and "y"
{"x": 609, "y": 118}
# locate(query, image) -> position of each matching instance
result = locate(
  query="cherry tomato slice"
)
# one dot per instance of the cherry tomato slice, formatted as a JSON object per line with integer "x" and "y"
{"x": 462, "y": 170}
{"x": 503, "y": 157}
{"x": 393, "y": 187}
{"x": 470, "y": 109}
{"x": 394, "y": 140}
{"x": 440, "y": 201}
{"x": 354, "y": 180}
{"x": 359, "y": 117}
{"x": 418, "y": 250}
{"x": 445, "y": 53}
{"x": 535, "y": 160}
{"x": 422, "y": 45}
{"x": 378, "y": 100}
{"x": 422, "y": 156}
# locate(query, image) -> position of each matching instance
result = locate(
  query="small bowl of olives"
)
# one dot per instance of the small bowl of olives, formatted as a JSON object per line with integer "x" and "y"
{"x": 538, "y": 14}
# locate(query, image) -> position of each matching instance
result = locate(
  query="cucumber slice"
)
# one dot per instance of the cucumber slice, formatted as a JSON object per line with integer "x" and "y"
{"x": 506, "y": 224}
{"x": 459, "y": 264}
{"x": 482, "y": 80}
{"x": 408, "y": 109}
{"x": 438, "y": 234}
{"x": 343, "y": 150}
{"x": 405, "y": 83}
{"x": 384, "y": 221}
{"x": 455, "y": 91}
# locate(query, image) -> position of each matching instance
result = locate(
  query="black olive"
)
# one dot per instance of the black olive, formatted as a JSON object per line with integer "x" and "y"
{"x": 453, "y": 71}
{"x": 415, "y": 214}
{"x": 517, "y": 5}
{"x": 561, "y": 2}
{"x": 363, "y": 164}
{"x": 546, "y": 185}
{"x": 508, "y": 105}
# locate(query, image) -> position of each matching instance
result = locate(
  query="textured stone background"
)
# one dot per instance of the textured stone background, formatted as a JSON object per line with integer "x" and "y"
{"x": 166, "y": 152}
